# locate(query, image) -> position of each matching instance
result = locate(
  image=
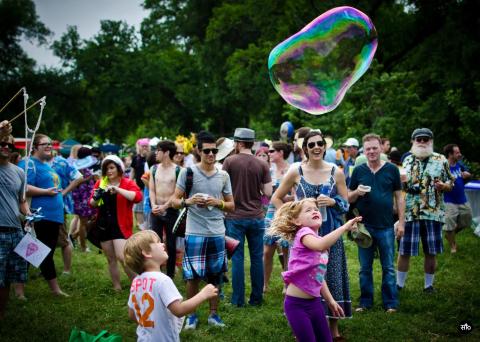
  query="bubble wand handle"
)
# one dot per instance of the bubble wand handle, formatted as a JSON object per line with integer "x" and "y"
{"x": 13, "y": 98}
{"x": 23, "y": 111}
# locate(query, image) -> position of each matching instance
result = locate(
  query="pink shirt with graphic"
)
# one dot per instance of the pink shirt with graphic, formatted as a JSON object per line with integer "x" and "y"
{"x": 306, "y": 267}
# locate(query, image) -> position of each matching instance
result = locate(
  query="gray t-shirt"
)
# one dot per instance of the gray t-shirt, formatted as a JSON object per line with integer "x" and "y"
{"x": 205, "y": 221}
{"x": 12, "y": 182}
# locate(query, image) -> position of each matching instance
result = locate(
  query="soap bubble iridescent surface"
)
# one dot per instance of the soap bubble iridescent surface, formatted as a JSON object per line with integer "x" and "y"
{"x": 313, "y": 69}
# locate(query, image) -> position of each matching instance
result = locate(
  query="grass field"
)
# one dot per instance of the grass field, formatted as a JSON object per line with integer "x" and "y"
{"x": 94, "y": 305}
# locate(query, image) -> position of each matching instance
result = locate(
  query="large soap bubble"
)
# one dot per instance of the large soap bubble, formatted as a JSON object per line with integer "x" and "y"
{"x": 313, "y": 69}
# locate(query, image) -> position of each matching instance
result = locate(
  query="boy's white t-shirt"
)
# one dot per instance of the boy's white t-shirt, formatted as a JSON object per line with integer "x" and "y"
{"x": 150, "y": 295}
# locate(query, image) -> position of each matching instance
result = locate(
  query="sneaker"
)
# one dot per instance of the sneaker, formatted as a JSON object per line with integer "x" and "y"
{"x": 429, "y": 289}
{"x": 192, "y": 322}
{"x": 215, "y": 320}
{"x": 391, "y": 310}
{"x": 361, "y": 309}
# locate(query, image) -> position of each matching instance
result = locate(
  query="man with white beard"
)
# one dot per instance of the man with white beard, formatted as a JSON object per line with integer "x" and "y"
{"x": 428, "y": 176}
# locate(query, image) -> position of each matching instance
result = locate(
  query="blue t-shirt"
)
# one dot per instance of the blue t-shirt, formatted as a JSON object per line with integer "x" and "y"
{"x": 41, "y": 175}
{"x": 67, "y": 173}
{"x": 457, "y": 195}
{"x": 376, "y": 207}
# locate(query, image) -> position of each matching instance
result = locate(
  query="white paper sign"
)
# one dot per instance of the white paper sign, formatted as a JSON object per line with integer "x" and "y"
{"x": 32, "y": 250}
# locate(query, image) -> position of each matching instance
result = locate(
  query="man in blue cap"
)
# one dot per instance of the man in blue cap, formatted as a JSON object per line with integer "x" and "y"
{"x": 250, "y": 179}
{"x": 428, "y": 177}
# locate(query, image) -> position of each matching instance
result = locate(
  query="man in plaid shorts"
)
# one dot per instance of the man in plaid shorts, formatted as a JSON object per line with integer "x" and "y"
{"x": 13, "y": 269}
{"x": 209, "y": 197}
{"x": 428, "y": 177}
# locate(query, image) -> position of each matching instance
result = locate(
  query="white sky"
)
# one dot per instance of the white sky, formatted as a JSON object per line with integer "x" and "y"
{"x": 86, "y": 15}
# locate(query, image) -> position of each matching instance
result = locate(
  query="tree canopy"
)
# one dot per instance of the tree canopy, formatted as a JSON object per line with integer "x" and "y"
{"x": 202, "y": 64}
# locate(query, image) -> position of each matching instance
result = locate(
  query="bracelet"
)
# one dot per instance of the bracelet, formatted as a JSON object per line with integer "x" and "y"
{"x": 222, "y": 205}
{"x": 183, "y": 204}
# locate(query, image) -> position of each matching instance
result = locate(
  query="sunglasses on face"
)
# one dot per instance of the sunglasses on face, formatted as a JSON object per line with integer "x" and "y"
{"x": 272, "y": 151}
{"x": 180, "y": 153}
{"x": 45, "y": 144}
{"x": 7, "y": 144}
{"x": 422, "y": 139}
{"x": 208, "y": 150}
{"x": 319, "y": 143}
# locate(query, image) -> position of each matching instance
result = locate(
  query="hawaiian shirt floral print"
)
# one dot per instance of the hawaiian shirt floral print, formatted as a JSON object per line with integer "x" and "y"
{"x": 422, "y": 200}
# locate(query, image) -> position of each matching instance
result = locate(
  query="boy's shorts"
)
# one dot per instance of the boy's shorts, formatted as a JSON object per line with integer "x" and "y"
{"x": 457, "y": 216}
{"x": 430, "y": 232}
{"x": 13, "y": 268}
{"x": 204, "y": 257}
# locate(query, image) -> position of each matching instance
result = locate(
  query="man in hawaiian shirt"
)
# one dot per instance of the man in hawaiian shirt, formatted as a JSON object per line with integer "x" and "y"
{"x": 428, "y": 177}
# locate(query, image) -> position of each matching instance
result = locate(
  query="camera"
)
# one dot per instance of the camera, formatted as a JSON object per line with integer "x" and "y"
{"x": 98, "y": 194}
{"x": 414, "y": 189}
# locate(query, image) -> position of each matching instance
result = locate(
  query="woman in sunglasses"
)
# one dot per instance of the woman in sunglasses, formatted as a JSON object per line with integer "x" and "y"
{"x": 324, "y": 182}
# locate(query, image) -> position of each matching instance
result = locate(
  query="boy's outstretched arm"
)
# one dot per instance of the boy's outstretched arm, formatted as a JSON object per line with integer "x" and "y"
{"x": 181, "y": 308}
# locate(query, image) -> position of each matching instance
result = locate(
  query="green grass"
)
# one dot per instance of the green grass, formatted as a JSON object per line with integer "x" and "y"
{"x": 94, "y": 306}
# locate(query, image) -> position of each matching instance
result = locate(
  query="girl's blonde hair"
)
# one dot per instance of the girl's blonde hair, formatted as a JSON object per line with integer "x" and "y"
{"x": 134, "y": 247}
{"x": 282, "y": 224}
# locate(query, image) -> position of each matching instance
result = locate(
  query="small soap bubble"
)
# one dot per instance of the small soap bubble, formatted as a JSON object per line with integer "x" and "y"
{"x": 313, "y": 69}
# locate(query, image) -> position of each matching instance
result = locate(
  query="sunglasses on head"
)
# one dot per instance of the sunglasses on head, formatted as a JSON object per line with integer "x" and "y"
{"x": 208, "y": 150}
{"x": 422, "y": 139}
{"x": 319, "y": 143}
{"x": 7, "y": 144}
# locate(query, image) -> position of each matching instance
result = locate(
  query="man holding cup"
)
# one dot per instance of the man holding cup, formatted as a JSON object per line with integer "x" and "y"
{"x": 372, "y": 188}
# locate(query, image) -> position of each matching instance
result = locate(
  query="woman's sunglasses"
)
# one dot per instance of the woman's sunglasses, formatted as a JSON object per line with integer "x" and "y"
{"x": 208, "y": 150}
{"x": 319, "y": 143}
{"x": 180, "y": 153}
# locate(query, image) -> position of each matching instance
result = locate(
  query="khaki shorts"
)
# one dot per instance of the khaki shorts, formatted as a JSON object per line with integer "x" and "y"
{"x": 457, "y": 217}
{"x": 62, "y": 237}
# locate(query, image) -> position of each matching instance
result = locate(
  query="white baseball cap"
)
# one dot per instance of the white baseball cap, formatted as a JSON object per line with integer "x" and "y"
{"x": 351, "y": 142}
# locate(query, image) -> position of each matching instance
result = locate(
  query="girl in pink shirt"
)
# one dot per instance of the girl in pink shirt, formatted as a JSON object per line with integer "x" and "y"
{"x": 299, "y": 222}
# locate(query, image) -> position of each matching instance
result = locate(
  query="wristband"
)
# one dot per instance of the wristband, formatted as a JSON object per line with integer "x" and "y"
{"x": 222, "y": 205}
{"x": 183, "y": 204}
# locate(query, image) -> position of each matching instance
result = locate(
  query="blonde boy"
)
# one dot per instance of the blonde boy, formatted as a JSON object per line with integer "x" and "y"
{"x": 154, "y": 301}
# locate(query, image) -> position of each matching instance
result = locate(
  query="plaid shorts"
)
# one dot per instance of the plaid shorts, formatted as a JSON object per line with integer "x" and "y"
{"x": 430, "y": 232}
{"x": 204, "y": 257}
{"x": 13, "y": 268}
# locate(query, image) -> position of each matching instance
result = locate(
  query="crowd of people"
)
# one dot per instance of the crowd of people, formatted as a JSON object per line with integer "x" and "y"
{"x": 294, "y": 199}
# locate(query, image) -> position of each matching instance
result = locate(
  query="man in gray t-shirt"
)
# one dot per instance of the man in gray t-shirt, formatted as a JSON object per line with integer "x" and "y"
{"x": 13, "y": 268}
{"x": 208, "y": 199}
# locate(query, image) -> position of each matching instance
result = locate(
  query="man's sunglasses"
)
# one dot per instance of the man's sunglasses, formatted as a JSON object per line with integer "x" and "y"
{"x": 422, "y": 139}
{"x": 319, "y": 143}
{"x": 208, "y": 150}
{"x": 272, "y": 151}
{"x": 7, "y": 144}
{"x": 45, "y": 144}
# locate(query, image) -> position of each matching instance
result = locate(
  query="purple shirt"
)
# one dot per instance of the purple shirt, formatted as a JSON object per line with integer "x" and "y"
{"x": 306, "y": 267}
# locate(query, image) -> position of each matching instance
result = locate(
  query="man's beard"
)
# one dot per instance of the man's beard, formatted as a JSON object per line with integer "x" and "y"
{"x": 422, "y": 152}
